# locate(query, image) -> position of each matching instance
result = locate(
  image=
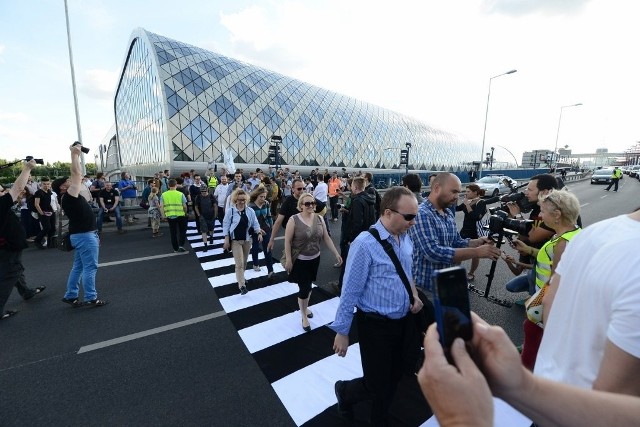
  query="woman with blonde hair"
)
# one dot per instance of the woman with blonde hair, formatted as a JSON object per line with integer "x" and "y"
{"x": 239, "y": 226}
{"x": 302, "y": 239}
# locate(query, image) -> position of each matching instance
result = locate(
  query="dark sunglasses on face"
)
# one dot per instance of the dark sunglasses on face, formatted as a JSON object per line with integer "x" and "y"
{"x": 407, "y": 217}
{"x": 299, "y": 188}
{"x": 307, "y": 204}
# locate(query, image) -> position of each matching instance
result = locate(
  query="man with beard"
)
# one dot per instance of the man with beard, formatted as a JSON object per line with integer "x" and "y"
{"x": 436, "y": 238}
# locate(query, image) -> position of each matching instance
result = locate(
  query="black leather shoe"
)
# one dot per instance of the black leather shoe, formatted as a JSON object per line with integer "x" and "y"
{"x": 306, "y": 328}
{"x": 346, "y": 411}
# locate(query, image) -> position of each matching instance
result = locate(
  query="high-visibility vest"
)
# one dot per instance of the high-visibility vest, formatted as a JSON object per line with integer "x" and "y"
{"x": 544, "y": 260}
{"x": 172, "y": 203}
{"x": 213, "y": 181}
{"x": 617, "y": 173}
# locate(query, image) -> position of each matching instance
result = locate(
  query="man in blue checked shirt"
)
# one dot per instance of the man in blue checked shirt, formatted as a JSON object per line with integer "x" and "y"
{"x": 386, "y": 330}
{"x": 435, "y": 237}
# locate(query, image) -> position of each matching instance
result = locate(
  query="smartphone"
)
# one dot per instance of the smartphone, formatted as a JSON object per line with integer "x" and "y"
{"x": 453, "y": 313}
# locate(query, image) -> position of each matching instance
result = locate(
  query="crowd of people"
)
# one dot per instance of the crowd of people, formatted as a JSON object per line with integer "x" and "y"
{"x": 389, "y": 249}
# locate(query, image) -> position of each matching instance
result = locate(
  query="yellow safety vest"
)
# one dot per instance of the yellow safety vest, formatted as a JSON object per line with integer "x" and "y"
{"x": 213, "y": 181}
{"x": 544, "y": 260}
{"x": 172, "y": 202}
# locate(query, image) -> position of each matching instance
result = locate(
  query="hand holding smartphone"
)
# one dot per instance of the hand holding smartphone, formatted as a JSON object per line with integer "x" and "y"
{"x": 453, "y": 313}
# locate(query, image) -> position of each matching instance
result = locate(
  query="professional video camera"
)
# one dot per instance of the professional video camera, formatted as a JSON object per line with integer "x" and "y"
{"x": 500, "y": 223}
{"x": 85, "y": 150}
{"x": 515, "y": 196}
{"x": 38, "y": 161}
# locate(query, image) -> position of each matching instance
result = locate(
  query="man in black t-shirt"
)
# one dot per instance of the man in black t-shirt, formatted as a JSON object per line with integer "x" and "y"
{"x": 46, "y": 215}
{"x": 83, "y": 235}
{"x": 109, "y": 201}
{"x": 287, "y": 210}
{"x": 12, "y": 242}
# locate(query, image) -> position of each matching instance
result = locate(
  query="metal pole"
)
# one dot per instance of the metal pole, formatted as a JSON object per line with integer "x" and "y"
{"x": 555, "y": 148}
{"x": 73, "y": 83}
{"x": 486, "y": 116}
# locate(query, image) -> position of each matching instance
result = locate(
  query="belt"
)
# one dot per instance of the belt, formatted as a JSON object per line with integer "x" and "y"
{"x": 369, "y": 315}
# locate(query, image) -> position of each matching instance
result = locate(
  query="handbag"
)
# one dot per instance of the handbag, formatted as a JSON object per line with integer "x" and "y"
{"x": 423, "y": 318}
{"x": 482, "y": 225}
{"x": 144, "y": 205}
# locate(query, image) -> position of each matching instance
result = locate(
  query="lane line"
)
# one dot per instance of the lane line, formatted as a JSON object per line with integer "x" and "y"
{"x": 149, "y": 332}
{"x": 146, "y": 258}
{"x": 582, "y": 206}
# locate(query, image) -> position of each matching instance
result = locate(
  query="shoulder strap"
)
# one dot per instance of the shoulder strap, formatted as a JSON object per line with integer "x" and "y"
{"x": 394, "y": 258}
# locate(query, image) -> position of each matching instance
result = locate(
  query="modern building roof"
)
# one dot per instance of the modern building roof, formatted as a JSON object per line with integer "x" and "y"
{"x": 179, "y": 103}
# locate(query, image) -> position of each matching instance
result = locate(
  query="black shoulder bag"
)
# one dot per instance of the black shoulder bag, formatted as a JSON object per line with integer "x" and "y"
{"x": 423, "y": 318}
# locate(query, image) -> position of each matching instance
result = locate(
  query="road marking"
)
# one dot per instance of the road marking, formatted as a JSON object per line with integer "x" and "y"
{"x": 602, "y": 197}
{"x": 149, "y": 332}
{"x": 146, "y": 258}
{"x": 582, "y": 206}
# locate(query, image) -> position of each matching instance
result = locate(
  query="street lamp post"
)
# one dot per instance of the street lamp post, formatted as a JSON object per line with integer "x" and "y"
{"x": 486, "y": 116}
{"x": 555, "y": 148}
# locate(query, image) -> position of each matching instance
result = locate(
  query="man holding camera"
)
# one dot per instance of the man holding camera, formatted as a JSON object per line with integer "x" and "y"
{"x": 74, "y": 199}
{"x": 436, "y": 238}
{"x": 12, "y": 242}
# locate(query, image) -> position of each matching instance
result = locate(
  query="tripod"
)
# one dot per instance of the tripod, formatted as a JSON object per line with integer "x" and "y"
{"x": 498, "y": 239}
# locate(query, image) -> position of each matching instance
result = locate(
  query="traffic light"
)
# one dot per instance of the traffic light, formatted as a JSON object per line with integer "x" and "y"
{"x": 274, "y": 151}
{"x": 404, "y": 157}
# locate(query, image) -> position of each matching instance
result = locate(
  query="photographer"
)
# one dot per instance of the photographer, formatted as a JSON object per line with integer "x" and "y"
{"x": 12, "y": 242}
{"x": 74, "y": 199}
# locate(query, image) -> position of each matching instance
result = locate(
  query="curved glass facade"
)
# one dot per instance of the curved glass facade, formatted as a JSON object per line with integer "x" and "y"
{"x": 177, "y": 103}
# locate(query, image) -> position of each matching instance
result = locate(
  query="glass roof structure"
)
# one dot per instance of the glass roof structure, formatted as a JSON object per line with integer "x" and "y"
{"x": 180, "y": 103}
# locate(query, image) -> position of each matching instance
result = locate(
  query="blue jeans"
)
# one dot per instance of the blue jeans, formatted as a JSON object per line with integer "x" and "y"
{"x": 101, "y": 214}
{"x": 524, "y": 282}
{"x": 85, "y": 266}
{"x": 255, "y": 250}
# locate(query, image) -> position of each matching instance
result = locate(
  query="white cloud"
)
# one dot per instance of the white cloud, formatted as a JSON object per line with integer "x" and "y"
{"x": 99, "y": 84}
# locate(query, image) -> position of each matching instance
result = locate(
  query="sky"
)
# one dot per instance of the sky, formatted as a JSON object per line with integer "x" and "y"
{"x": 431, "y": 60}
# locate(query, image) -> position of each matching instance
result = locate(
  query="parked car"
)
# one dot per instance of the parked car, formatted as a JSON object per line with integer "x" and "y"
{"x": 494, "y": 185}
{"x": 634, "y": 171}
{"x": 602, "y": 176}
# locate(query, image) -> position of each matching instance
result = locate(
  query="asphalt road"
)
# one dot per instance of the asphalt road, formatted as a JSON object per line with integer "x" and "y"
{"x": 164, "y": 352}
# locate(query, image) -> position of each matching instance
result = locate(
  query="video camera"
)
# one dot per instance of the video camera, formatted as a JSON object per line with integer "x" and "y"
{"x": 38, "y": 161}
{"x": 85, "y": 150}
{"x": 517, "y": 197}
{"x": 499, "y": 222}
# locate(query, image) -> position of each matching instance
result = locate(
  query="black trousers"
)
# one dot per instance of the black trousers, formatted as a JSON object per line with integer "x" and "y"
{"x": 12, "y": 274}
{"x": 388, "y": 349}
{"x": 48, "y": 225}
{"x": 178, "y": 231}
{"x": 333, "y": 204}
{"x": 614, "y": 181}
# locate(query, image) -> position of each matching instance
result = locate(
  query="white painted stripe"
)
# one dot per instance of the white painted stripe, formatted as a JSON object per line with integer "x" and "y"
{"x": 279, "y": 329}
{"x": 198, "y": 236}
{"x": 317, "y": 381}
{"x": 258, "y": 296}
{"x": 225, "y": 262}
{"x": 149, "y": 332}
{"x": 146, "y": 258}
{"x": 229, "y": 278}
{"x": 504, "y": 416}
{"x": 582, "y": 206}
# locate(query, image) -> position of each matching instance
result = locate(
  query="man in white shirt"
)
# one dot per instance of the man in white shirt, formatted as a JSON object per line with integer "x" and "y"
{"x": 321, "y": 192}
{"x": 592, "y": 330}
{"x": 220, "y": 194}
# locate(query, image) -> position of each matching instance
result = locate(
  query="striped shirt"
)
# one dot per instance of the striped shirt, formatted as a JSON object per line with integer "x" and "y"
{"x": 435, "y": 238}
{"x": 371, "y": 281}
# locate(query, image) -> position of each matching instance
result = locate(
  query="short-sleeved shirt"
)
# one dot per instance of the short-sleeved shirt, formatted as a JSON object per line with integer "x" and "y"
{"x": 288, "y": 209}
{"x": 109, "y": 197}
{"x": 205, "y": 204}
{"x": 80, "y": 214}
{"x": 45, "y": 200}
{"x": 12, "y": 234}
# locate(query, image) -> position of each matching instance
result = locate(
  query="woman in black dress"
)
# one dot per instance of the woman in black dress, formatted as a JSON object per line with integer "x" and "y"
{"x": 474, "y": 209}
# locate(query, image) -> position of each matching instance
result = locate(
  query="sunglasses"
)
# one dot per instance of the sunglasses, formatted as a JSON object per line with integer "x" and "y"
{"x": 299, "y": 189}
{"x": 307, "y": 204}
{"x": 407, "y": 217}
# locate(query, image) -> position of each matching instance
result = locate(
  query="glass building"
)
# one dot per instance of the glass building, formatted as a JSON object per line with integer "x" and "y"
{"x": 179, "y": 107}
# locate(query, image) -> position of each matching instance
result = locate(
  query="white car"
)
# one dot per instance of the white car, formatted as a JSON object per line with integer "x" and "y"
{"x": 494, "y": 185}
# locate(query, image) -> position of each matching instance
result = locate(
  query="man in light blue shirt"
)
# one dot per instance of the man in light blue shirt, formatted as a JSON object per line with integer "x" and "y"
{"x": 372, "y": 284}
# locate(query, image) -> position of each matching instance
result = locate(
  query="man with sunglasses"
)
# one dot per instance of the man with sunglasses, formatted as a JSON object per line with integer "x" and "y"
{"x": 436, "y": 238}
{"x": 288, "y": 208}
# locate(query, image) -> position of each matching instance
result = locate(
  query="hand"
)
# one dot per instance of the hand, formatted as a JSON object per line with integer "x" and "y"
{"x": 48, "y": 213}
{"x": 448, "y": 388}
{"x": 341, "y": 345}
{"x": 270, "y": 245}
{"x": 488, "y": 251}
{"x": 226, "y": 245}
{"x": 514, "y": 209}
{"x": 338, "y": 261}
{"x": 417, "y": 305}
{"x": 498, "y": 358}
{"x": 521, "y": 247}
{"x": 288, "y": 266}
{"x": 75, "y": 148}
{"x": 30, "y": 164}
{"x": 259, "y": 237}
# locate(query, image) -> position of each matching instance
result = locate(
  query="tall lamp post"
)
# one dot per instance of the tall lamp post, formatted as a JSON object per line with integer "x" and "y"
{"x": 486, "y": 116}
{"x": 555, "y": 148}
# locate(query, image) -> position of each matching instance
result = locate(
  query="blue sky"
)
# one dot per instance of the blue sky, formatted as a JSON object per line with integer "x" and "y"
{"x": 428, "y": 59}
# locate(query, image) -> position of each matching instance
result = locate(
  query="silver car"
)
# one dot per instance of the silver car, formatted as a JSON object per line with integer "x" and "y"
{"x": 494, "y": 185}
{"x": 602, "y": 176}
